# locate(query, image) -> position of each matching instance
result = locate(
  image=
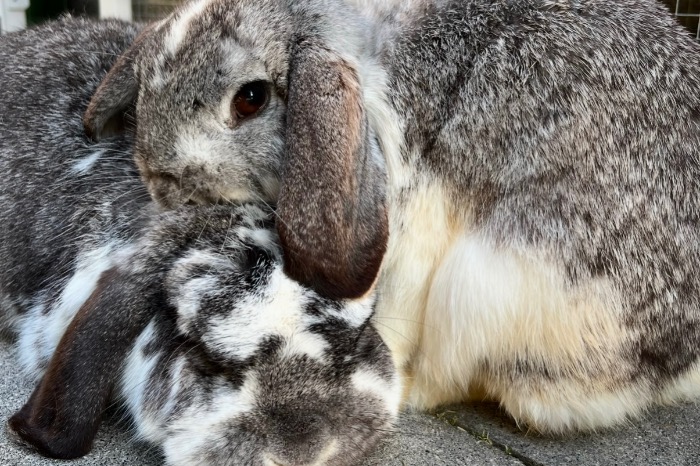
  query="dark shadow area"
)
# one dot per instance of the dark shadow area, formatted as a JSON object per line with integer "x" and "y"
{"x": 43, "y": 10}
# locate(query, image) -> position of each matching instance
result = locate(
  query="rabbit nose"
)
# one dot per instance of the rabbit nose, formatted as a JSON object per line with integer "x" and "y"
{"x": 297, "y": 438}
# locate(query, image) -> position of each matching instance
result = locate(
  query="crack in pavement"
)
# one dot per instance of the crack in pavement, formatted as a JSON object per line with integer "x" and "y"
{"x": 450, "y": 418}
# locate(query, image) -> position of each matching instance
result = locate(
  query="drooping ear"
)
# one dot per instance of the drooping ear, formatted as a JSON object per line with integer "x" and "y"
{"x": 117, "y": 91}
{"x": 63, "y": 414}
{"x": 332, "y": 216}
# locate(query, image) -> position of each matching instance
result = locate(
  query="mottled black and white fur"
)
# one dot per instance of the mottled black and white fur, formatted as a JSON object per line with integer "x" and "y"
{"x": 185, "y": 316}
{"x": 518, "y": 178}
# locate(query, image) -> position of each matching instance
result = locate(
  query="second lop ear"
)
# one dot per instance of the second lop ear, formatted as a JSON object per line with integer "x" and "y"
{"x": 332, "y": 215}
{"x": 117, "y": 91}
{"x": 62, "y": 417}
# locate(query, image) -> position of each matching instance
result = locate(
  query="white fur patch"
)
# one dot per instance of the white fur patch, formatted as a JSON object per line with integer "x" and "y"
{"x": 277, "y": 311}
{"x": 355, "y": 312}
{"x": 86, "y": 163}
{"x": 207, "y": 423}
{"x": 134, "y": 385}
{"x": 181, "y": 25}
{"x": 41, "y": 329}
{"x": 683, "y": 388}
{"x": 158, "y": 79}
{"x": 490, "y": 307}
{"x": 565, "y": 406}
{"x": 384, "y": 122}
{"x": 367, "y": 381}
{"x": 262, "y": 237}
{"x": 306, "y": 343}
{"x": 189, "y": 300}
{"x": 196, "y": 148}
{"x": 420, "y": 233}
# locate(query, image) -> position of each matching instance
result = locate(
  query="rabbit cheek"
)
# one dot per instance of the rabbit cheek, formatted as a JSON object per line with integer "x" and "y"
{"x": 204, "y": 169}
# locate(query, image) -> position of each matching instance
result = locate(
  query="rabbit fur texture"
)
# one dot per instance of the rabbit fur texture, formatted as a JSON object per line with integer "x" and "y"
{"x": 184, "y": 316}
{"x": 517, "y": 180}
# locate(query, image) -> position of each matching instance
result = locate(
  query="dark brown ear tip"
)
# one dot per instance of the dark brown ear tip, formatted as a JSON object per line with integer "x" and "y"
{"x": 331, "y": 287}
{"x": 38, "y": 426}
{"x": 343, "y": 279}
{"x": 20, "y": 432}
{"x": 59, "y": 446}
{"x": 13, "y": 430}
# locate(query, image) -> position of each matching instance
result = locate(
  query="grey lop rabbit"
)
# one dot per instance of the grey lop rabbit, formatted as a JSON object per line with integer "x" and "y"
{"x": 184, "y": 316}
{"x": 518, "y": 180}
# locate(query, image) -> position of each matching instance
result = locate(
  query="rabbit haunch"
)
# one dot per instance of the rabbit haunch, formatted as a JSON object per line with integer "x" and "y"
{"x": 184, "y": 315}
{"x": 537, "y": 170}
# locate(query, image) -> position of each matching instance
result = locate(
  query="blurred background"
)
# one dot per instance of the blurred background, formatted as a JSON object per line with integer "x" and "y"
{"x": 16, "y": 14}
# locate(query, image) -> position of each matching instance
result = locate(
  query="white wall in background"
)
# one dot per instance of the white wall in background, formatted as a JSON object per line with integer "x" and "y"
{"x": 13, "y": 16}
{"x": 115, "y": 9}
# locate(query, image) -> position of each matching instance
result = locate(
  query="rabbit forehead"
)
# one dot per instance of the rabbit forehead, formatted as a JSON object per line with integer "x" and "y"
{"x": 218, "y": 57}
{"x": 281, "y": 310}
{"x": 181, "y": 23}
{"x": 275, "y": 310}
{"x": 262, "y": 27}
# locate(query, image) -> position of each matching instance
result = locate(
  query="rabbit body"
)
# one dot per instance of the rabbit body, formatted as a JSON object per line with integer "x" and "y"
{"x": 525, "y": 173}
{"x": 543, "y": 214}
{"x": 48, "y": 74}
{"x": 218, "y": 356}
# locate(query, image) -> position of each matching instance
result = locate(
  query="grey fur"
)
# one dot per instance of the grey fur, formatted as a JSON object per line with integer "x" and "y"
{"x": 185, "y": 322}
{"x": 566, "y": 130}
{"x": 575, "y": 128}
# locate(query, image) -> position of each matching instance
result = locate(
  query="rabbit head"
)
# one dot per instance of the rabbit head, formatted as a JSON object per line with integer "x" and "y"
{"x": 208, "y": 90}
{"x": 234, "y": 363}
{"x": 263, "y": 370}
{"x": 231, "y": 95}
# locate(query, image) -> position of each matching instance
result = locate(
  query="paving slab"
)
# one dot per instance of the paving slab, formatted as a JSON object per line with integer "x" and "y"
{"x": 423, "y": 439}
{"x": 665, "y": 436}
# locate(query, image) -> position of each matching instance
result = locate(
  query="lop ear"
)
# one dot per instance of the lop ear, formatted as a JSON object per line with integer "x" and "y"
{"x": 117, "y": 91}
{"x": 62, "y": 416}
{"x": 332, "y": 216}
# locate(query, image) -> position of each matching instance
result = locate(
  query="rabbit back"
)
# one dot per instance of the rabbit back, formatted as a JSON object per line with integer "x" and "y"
{"x": 67, "y": 203}
{"x": 49, "y": 74}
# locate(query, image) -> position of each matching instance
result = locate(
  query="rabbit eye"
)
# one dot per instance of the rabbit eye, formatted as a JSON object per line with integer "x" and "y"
{"x": 251, "y": 99}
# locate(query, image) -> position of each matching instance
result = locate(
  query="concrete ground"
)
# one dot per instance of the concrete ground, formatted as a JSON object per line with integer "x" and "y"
{"x": 466, "y": 435}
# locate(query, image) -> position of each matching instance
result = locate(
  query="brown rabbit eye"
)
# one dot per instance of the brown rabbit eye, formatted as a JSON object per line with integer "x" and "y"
{"x": 250, "y": 99}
